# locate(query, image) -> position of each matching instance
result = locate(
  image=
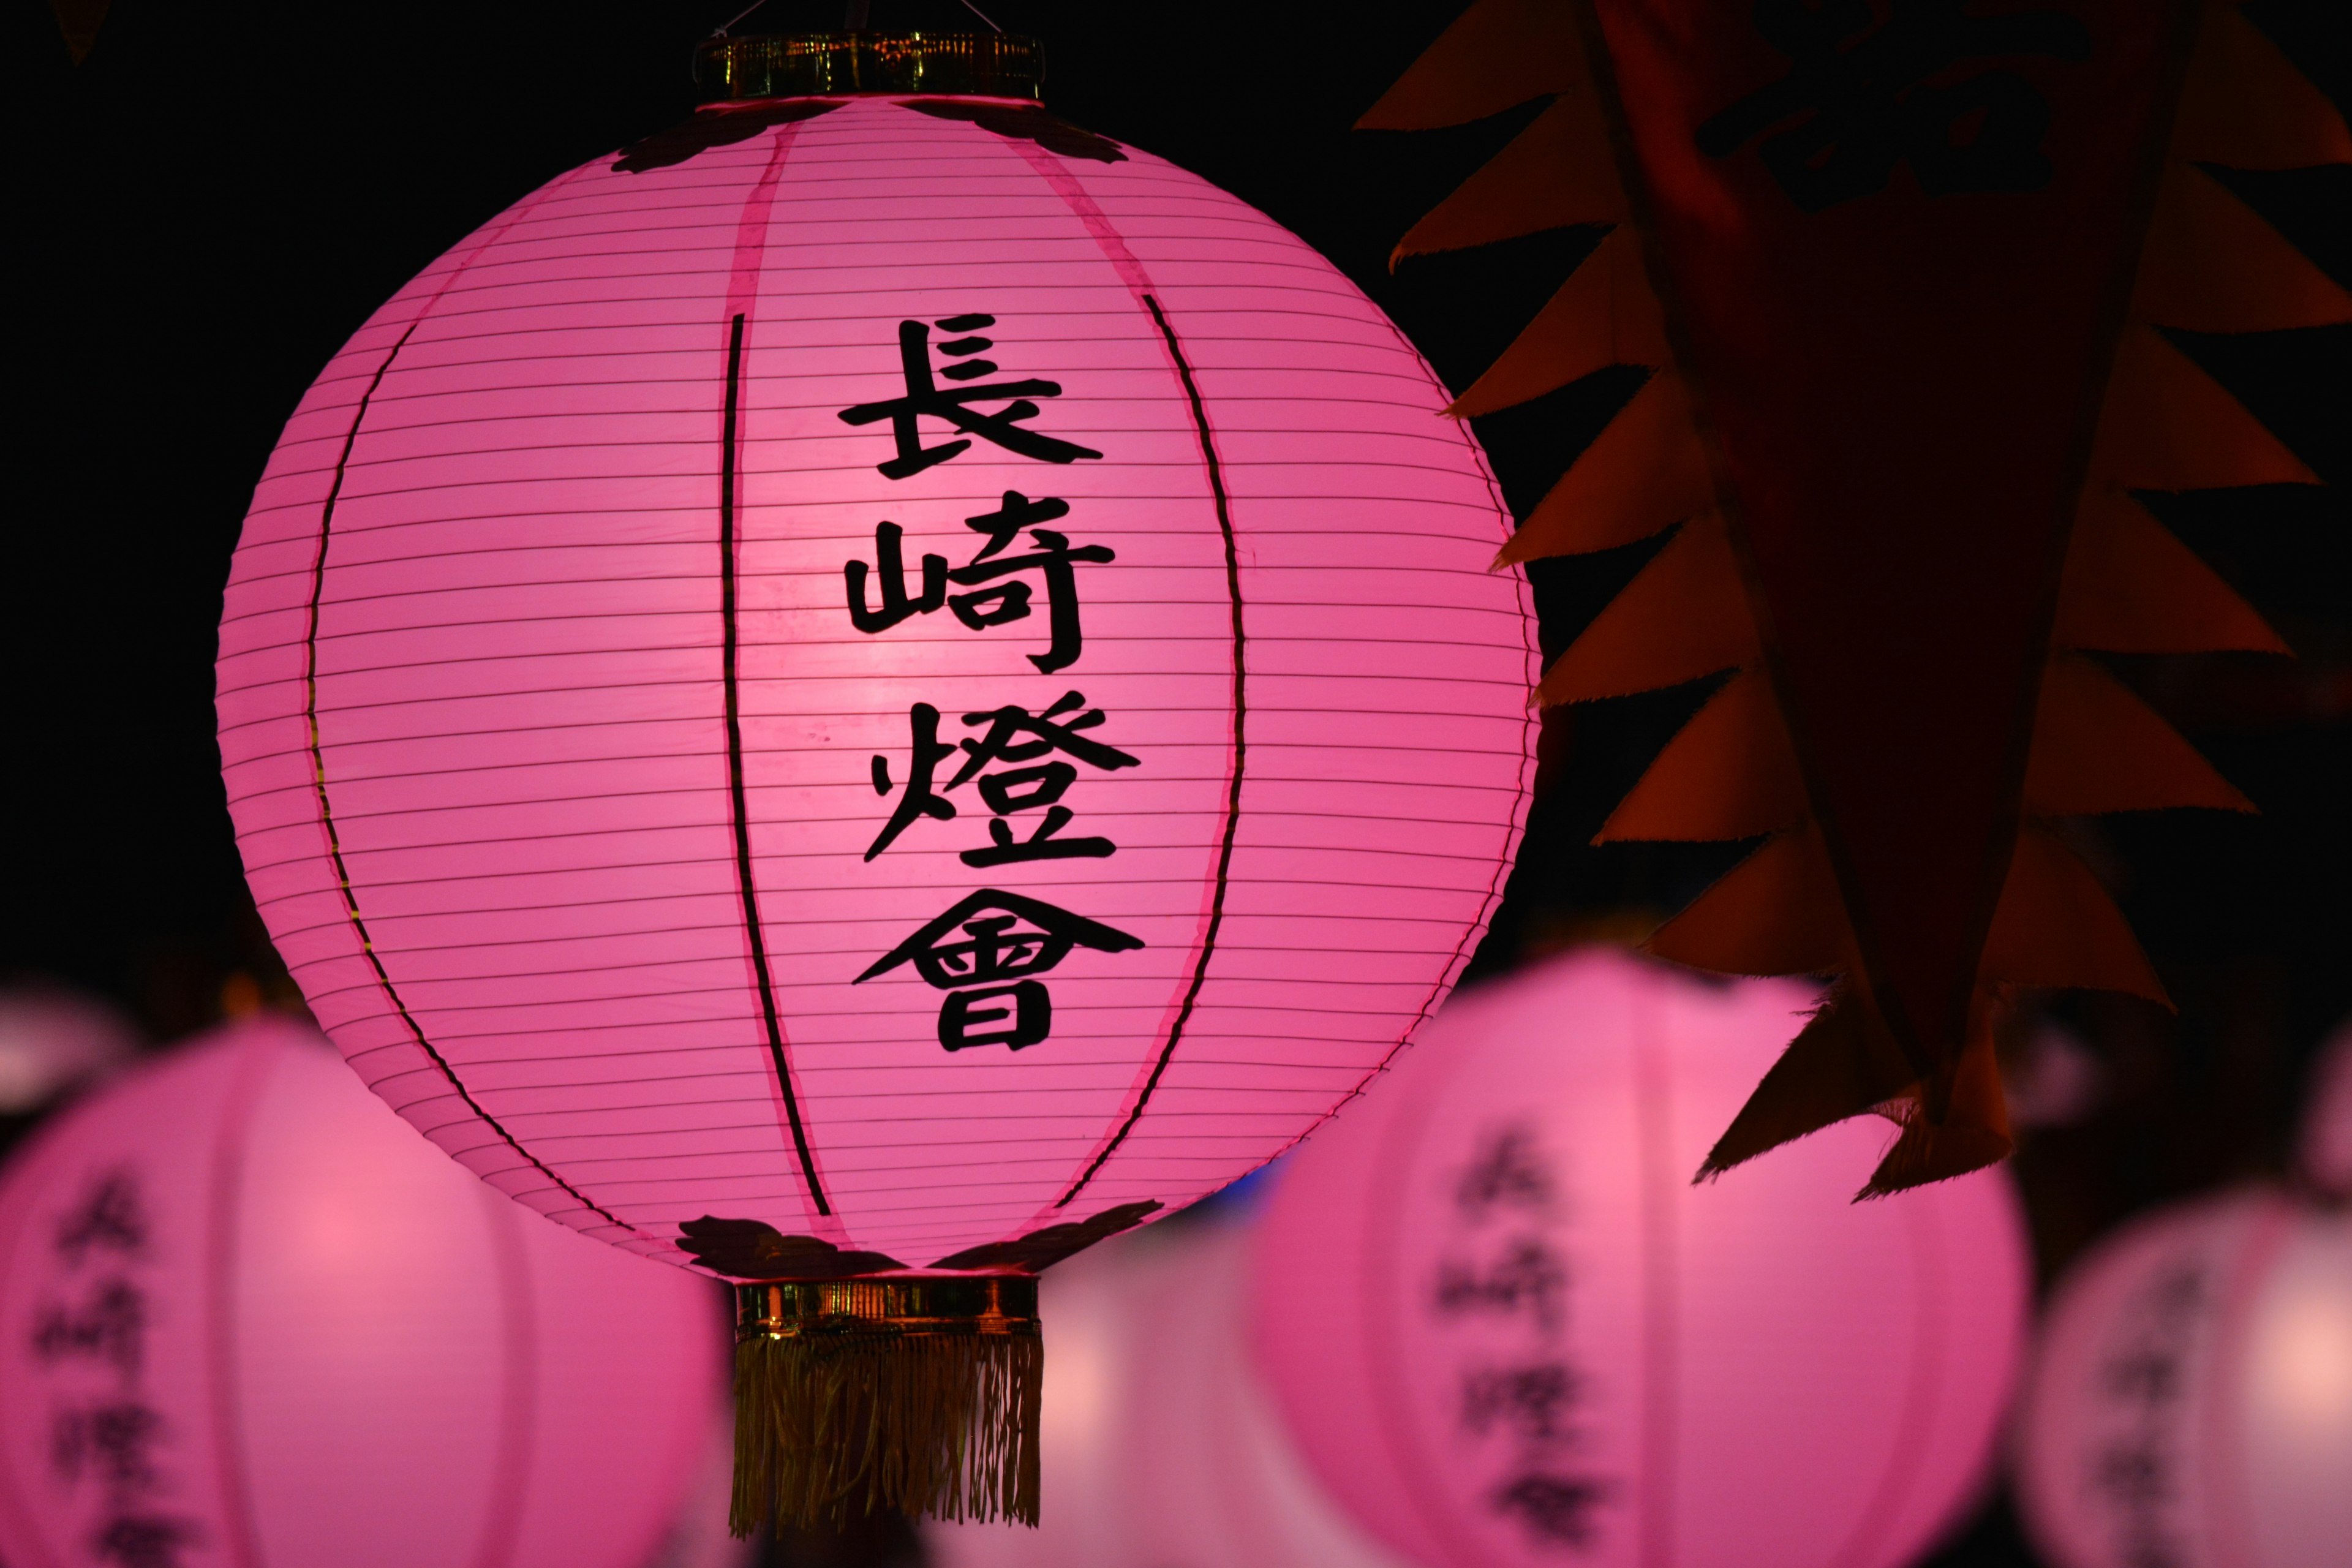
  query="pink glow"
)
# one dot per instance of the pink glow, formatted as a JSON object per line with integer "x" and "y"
{"x": 243, "y": 1308}
{"x": 1162, "y": 1446}
{"x": 1754, "y": 1373}
{"x": 2191, "y": 1396}
{"x": 2324, "y": 1154}
{"x": 522, "y": 702}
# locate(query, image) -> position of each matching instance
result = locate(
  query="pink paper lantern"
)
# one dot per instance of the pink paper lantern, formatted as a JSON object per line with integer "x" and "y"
{"x": 886, "y": 667}
{"x": 2324, "y": 1151}
{"x": 874, "y": 683}
{"x": 1507, "y": 1330}
{"x": 1162, "y": 1446}
{"x": 246, "y": 1317}
{"x": 2191, "y": 1404}
{"x": 52, "y": 1041}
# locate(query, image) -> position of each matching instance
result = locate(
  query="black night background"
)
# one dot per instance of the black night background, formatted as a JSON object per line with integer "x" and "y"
{"x": 209, "y": 205}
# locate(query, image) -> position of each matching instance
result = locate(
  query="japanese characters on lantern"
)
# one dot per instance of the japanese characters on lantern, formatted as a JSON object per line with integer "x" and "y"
{"x": 987, "y": 950}
{"x": 108, "y": 1445}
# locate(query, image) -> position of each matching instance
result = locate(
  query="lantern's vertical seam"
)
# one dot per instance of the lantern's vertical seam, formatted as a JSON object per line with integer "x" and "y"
{"x": 231, "y": 1462}
{"x": 1232, "y": 787}
{"x": 327, "y": 812}
{"x": 1659, "y": 1190}
{"x": 501, "y": 1537}
{"x": 729, "y": 647}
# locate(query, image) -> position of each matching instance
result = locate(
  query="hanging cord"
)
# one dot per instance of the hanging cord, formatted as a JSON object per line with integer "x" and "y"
{"x": 720, "y": 31}
{"x": 982, "y": 16}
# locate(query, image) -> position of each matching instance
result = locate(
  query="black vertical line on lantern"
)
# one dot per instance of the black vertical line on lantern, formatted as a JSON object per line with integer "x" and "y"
{"x": 729, "y": 647}
{"x": 1233, "y": 786}
{"x": 327, "y": 810}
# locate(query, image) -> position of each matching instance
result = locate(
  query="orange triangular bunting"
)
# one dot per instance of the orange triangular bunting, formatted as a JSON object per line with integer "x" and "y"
{"x": 1556, "y": 172}
{"x": 2246, "y": 106}
{"x": 2168, "y": 425}
{"x": 1971, "y": 1133}
{"x": 1605, "y": 314}
{"x": 1685, "y": 616}
{"x": 2098, "y": 748}
{"x": 1728, "y": 774}
{"x": 2131, "y": 587}
{"x": 2055, "y": 926}
{"x": 1775, "y": 912}
{"x": 1646, "y": 472}
{"x": 1498, "y": 54}
{"x": 2210, "y": 265}
{"x": 1843, "y": 1063}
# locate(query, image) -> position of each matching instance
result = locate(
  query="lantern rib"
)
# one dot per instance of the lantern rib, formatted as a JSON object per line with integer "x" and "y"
{"x": 1232, "y": 788}
{"x": 752, "y": 931}
{"x": 326, "y": 808}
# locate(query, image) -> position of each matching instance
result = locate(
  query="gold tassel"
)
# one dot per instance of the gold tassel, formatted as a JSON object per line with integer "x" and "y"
{"x": 919, "y": 1393}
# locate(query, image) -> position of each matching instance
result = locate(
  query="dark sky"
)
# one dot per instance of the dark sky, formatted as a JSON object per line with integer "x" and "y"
{"x": 207, "y": 206}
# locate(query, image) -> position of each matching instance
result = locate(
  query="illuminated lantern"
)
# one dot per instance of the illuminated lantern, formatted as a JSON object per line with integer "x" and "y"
{"x": 2190, "y": 1403}
{"x": 1161, "y": 1447}
{"x": 1505, "y": 1326}
{"x": 875, "y": 688}
{"x": 52, "y": 1041}
{"x": 247, "y": 1317}
{"x": 2325, "y": 1147}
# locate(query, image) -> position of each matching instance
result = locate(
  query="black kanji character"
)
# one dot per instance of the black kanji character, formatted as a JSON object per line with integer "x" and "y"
{"x": 2146, "y": 1376}
{"x": 1508, "y": 1172}
{"x": 999, "y": 954}
{"x": 1530, "y": 1275}
{"x": 889, "y": 568}
{"x": 111, "y": 1326}
{"x": 2133, "y": 1473}
{"x": 118, "y": 1437}
{"x": 1868, "y": 107}
{"x": 1014, "y": 734}
{"x": 145, "y": 1541}
{"x": 1556, "y": 1508}
{"x": 995, "y": 596}
{"x": 111, "y": 1218}
{"x": 1533, "y": 1401}
{"x": 924, "y": 396}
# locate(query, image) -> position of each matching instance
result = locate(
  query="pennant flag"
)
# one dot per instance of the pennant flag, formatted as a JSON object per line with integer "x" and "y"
{"x": 1904, "y": 277}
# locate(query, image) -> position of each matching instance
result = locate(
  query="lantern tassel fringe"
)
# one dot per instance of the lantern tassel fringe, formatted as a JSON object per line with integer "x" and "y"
{"x": 937, "y": 1424}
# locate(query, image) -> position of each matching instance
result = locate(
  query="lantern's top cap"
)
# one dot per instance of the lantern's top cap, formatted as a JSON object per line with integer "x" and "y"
{"x": 832, "y": 65}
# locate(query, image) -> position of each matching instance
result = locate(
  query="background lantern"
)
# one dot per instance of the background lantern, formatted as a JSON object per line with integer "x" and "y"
{"x": 247, "y": 1317}
{"x": 2191, "y": 1395}
{"x": 1161, "y": 1443}
{"x": 1503, "y": 1324}
{"x": 874, "y": 682}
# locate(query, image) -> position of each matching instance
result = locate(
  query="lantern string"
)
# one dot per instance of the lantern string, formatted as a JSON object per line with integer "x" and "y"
{"x": 982, "y": 16}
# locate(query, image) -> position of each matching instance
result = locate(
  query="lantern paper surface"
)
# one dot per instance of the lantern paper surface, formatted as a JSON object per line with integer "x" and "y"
{"x": 2191, "y": 1396}
{"x": 249, "y": 1321}
{"x": 1506, "y": 1329}
{"x": 892, "y": 672}
{"x": 1163, "y": 1448}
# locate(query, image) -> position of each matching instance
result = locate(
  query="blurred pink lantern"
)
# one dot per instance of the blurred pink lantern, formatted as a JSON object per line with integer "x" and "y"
{"x": 1506, "y": 1329}
{"x": 2191, "y": 1398}
{"x": 1162, "y": 1446}
{"x": 247, "y": 1317}
{"x": 876, "y": 683}
{"x": 55, "y": 1041}
{"x": 2325, "y": 1155}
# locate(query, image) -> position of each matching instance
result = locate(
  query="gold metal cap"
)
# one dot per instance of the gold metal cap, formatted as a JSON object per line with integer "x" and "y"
{"x": 904, "y": 1304}
{"x": 833, "y": 65}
